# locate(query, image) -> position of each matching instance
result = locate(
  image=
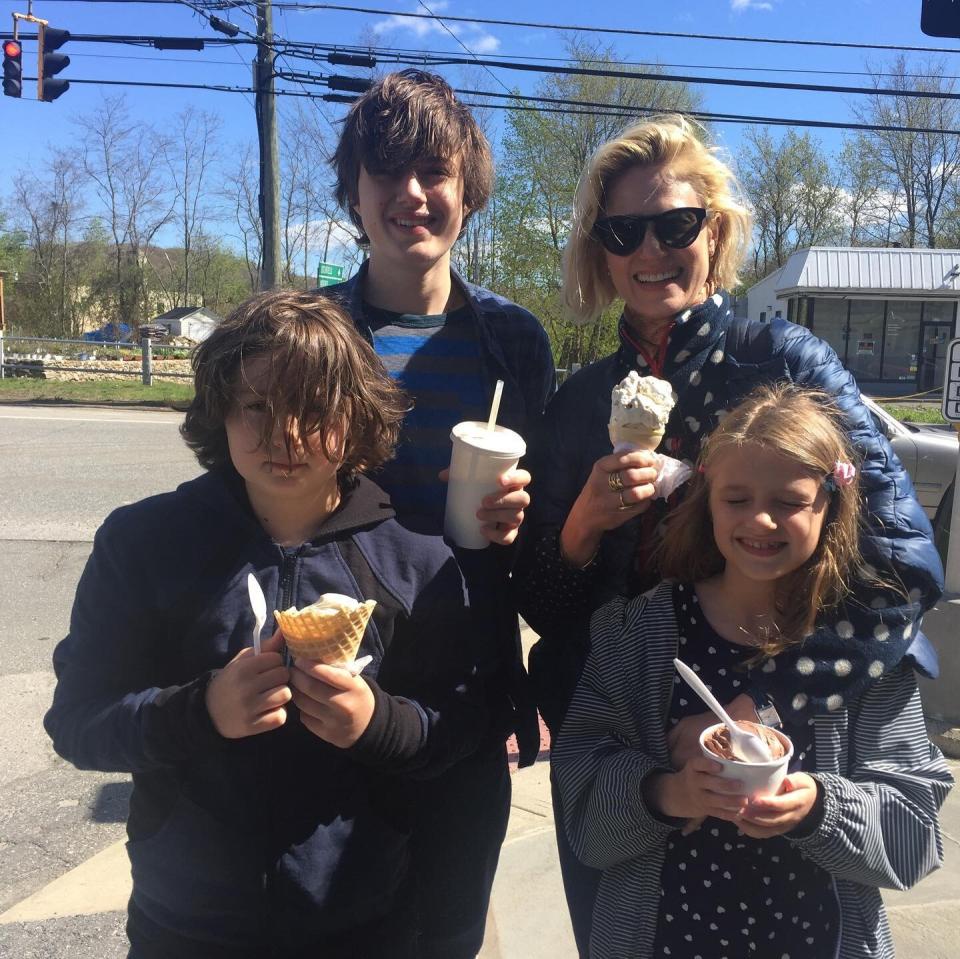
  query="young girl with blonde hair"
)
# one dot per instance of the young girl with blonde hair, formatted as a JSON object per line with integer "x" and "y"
{"x": 763, "y": 550}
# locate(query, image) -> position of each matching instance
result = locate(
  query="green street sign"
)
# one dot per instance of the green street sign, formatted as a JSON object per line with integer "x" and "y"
{"x": 329, "y": 274}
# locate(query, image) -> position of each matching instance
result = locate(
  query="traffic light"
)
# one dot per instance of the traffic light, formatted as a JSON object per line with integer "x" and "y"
{"x": 50, "y": 64}
{"x": 12, "y": 68}
{"x": 940, "y": 18}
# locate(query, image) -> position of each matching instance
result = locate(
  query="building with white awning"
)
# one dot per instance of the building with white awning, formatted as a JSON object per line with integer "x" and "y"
{"x": 888, "y": 312}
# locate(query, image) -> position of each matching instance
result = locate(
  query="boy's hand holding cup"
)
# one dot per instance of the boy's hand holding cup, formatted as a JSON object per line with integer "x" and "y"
{"x": 247, "y": 697}
{"x": 486, "y": 493}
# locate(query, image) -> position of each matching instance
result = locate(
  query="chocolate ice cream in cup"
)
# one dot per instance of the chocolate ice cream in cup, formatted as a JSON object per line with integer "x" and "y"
{"x": 759, "y": 779}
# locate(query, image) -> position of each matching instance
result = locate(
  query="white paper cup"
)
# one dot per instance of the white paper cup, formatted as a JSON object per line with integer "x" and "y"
{"x": 759, "y": 779}
{"x": 479, "y": 458}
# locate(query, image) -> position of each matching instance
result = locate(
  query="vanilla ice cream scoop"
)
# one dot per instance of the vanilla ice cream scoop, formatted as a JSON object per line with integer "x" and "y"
{"x": 639, "y": 409}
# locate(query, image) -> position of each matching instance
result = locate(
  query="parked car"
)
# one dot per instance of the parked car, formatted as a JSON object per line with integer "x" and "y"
{"x": 929, "y": 454}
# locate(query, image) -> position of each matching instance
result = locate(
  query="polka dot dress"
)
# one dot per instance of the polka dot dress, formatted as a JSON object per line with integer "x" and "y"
{"x": 724, "y": 894}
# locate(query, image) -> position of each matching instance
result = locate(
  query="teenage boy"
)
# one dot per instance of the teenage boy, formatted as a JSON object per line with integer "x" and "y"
{"x": 412, "y": 166}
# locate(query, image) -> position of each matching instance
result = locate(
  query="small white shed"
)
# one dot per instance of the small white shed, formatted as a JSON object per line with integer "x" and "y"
{"x": 193, "y": 322}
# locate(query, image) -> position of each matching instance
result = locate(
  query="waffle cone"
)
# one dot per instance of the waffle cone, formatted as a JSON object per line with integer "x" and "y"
{"x": 641, "y": 437}
{"x": 330, "y": 639}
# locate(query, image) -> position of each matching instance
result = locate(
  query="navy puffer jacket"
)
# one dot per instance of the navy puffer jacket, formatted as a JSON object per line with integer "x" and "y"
{"x": 713, "y": 360}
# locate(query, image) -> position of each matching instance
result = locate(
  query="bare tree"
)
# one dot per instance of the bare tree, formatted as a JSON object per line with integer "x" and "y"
{"x": 124, "y": 160}
{"x": 190, "y": 153}
{"x": 918, "y": 168}
{"x": 50, "y": 208}
{"x": 241, "y": 200}
{"x": 794, "y": 192}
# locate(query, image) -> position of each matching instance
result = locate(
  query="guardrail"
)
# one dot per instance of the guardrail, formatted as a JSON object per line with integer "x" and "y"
{"x": 66, "y": 349}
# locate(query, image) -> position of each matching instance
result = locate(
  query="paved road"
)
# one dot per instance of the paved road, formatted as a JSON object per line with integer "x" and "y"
{"x": 61, "y": 471}
{"x": 63, "y": 872}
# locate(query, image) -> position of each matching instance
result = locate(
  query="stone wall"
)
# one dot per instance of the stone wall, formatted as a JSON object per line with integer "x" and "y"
{"x": 76, "y": 371}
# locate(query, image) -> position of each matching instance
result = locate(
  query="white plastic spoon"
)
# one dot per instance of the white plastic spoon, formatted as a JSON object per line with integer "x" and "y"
{"x": 258, "y": 604}
{"x": 745, "y": 746}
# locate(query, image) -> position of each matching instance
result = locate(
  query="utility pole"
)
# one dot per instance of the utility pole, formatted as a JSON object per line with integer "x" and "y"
{"x": 269, "y": 154}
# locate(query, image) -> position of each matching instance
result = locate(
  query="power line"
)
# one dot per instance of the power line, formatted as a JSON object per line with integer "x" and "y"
{"x": 528, "y": 104}
{"x": 291, "y": 48}
{"x": 619, "y": 30}
{"x": 462, "y": 44}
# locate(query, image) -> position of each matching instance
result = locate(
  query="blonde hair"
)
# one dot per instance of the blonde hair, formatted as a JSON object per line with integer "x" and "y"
{"x": 671, "y": 142}
{"x": 804, "y": 426}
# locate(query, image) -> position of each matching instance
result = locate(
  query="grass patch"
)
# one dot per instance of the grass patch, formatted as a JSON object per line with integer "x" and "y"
{"x": 109, "y": 392}
{"x": 916, "y": 413}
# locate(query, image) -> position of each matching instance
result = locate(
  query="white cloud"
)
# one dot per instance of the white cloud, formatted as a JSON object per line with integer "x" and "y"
{"x": 739, "y": 6}
{"x": 472, "y": 35}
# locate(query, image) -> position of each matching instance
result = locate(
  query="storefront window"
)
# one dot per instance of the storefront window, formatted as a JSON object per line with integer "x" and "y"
{"x": 900, "y": 361}
{"x": 866, "y": 338}
{"x": 939, "y": 311}
{"x": 830, "y": 323}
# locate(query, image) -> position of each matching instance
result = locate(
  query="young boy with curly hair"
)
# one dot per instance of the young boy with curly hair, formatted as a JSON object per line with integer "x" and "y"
{"x": 255, "y": 828}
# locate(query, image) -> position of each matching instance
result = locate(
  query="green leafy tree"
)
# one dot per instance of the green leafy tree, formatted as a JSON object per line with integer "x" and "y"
{"x": 543, "y": 156}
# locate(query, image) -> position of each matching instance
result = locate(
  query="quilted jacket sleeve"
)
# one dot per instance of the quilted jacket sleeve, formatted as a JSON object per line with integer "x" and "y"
{"x": 877, "y": 628}
{"x": 899, "y": 534}
{"x": 880, "y": 825}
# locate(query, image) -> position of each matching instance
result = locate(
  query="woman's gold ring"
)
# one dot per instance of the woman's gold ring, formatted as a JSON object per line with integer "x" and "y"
{"x": 623, "y": 505}
{"x": 615, "y": 481}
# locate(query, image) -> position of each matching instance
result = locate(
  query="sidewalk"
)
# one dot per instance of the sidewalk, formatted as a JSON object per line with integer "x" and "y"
{"x": 528, "y": 916}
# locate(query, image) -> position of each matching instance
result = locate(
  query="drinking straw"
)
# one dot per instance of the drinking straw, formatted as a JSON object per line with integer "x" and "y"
{"x": 495, "y": 405}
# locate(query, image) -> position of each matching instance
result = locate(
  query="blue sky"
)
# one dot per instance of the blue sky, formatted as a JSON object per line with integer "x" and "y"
{"x": 28, "y": 124}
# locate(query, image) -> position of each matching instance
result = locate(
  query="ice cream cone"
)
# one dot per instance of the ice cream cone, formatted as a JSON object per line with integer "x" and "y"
{"x": 639, "y": 409}
{"x": 328, "y": 631}
{"x": 641, "y": 437}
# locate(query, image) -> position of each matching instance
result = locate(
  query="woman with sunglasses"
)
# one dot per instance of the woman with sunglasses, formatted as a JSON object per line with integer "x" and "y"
{"x": 658, "y": 225}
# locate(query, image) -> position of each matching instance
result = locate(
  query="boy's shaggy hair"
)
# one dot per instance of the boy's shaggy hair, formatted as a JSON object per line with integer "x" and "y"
{"x": 802, "y": 425}
{"x": 403, "y": 119}
{"x": 322, "y": 374}
{"x": 670, "y": 142}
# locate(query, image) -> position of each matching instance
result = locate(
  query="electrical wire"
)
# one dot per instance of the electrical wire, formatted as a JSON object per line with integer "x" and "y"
{"x": 619, "y": 30}
{"x": 528, "y": 104}
{"x": 291, "y": 48}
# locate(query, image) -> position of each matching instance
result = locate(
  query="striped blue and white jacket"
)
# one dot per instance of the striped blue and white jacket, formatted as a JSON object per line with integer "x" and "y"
{"x": 882, "y": 783}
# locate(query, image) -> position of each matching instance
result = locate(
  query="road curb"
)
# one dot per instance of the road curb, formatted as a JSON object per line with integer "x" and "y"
{"x": 945, "y": 737}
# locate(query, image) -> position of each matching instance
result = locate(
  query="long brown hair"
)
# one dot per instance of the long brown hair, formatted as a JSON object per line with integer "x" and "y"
{"x": 407, "y": 117}
{"x": 804, "y": 426}
{"x": 322, "y": 373}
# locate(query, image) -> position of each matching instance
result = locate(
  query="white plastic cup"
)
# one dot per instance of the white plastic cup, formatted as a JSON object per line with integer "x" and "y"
{"x": 759, "y": 779}
{"x": 478, "y": 459}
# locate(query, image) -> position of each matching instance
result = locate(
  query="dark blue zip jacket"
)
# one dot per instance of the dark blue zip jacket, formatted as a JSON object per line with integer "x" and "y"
{"x": 279, "y": 839}
{"x": 515, "y": 348}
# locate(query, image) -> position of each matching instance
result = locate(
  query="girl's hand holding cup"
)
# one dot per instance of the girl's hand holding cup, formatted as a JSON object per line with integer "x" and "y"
{"x": 695, "y": 792}
{"x": 768, "y": 816}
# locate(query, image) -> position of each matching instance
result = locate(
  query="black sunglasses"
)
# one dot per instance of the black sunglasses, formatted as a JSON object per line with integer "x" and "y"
{"x": 621, "y": 235}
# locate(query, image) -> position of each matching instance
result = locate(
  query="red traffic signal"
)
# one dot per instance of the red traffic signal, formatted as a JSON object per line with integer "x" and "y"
{"x": 12, "y": 68}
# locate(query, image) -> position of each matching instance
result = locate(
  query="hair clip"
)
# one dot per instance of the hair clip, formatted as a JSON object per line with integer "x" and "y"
{"x": 842, "y": 475}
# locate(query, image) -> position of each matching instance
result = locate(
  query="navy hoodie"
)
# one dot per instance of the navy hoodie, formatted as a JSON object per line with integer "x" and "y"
{"x": 281, "y": 838}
